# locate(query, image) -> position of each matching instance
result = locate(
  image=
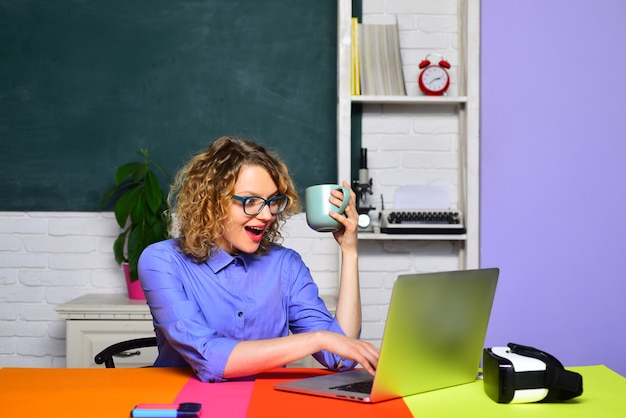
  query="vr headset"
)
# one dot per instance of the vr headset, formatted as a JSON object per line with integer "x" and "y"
{"x": 521, "y": 374}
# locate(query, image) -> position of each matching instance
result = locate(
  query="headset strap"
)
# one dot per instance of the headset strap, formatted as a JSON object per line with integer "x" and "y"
{"x": 561, "y": 384}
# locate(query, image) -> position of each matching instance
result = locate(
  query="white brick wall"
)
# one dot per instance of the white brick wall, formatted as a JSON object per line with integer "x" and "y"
{"x": 49, "y": 258}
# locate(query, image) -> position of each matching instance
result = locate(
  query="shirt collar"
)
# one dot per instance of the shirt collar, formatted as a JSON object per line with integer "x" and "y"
{"x": 220, "y": 259}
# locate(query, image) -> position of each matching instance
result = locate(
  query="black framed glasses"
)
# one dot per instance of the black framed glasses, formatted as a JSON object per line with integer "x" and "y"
{"x": 253, "y": 205}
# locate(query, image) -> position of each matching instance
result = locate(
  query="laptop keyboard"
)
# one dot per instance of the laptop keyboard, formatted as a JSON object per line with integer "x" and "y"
{"x": 359, "y": 387}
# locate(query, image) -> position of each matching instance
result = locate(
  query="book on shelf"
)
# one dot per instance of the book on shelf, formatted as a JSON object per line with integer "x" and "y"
{"x": 355, "y": 70}
{"x": 379, "y": 60}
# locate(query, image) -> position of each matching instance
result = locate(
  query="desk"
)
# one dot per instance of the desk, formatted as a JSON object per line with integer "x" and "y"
{"x": 111, "y": 393}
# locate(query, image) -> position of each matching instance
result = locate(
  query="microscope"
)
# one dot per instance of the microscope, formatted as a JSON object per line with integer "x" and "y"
{"x": 362, "y": 187}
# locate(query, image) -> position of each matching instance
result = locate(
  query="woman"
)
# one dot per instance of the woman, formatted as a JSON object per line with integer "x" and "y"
{"x": 224, "y": 294}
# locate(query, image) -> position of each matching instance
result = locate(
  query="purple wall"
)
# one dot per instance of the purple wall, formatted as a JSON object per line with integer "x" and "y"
{"x": 553, "y": 158}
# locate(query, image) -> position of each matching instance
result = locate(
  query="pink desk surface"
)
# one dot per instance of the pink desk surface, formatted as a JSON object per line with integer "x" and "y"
{"x": 111, "y": 393}
{"x": 227, "y": 399}
{"x": 258, "y": 399}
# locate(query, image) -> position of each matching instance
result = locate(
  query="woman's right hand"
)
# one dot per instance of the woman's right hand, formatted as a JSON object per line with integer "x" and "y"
{"x": 364, "y": 353}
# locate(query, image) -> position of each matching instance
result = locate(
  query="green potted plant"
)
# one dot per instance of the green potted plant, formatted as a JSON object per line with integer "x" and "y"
{"x": 141, "y": 210}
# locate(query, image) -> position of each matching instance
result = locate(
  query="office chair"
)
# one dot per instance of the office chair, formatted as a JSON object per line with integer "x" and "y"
{"x": 106, "y": 356}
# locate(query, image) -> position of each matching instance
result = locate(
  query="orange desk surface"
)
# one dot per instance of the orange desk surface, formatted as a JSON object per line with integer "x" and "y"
{"x": 111, "y": 393}
{"x": 102, "y": 392}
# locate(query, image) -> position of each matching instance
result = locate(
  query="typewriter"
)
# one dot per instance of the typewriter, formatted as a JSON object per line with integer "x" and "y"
{"x": 421, "y": 221}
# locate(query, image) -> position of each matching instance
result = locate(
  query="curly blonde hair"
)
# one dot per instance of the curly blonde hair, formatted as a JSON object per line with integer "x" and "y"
{"x": 203, "y": 191}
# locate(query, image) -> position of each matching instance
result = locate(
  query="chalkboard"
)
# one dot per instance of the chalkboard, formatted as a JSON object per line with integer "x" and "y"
{"x": 83, "y": 83}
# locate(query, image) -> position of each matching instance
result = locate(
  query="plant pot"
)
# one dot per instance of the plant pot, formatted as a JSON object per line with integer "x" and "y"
{"x": 134, "y": 287}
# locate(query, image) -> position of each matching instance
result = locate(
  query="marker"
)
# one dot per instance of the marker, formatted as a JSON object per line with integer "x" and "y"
{"x": 187, "y": 410}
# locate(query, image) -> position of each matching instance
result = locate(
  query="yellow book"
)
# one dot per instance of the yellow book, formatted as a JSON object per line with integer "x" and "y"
{"x": 356, "y": 65}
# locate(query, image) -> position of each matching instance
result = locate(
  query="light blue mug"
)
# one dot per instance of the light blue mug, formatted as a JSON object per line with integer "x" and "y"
{"x": 317, "y": 206}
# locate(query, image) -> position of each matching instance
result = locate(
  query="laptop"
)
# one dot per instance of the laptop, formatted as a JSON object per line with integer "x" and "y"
{"x": 433, "y": 339}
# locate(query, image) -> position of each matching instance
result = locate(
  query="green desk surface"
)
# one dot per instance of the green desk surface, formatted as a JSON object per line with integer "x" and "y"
{"x": 604, "y": 395}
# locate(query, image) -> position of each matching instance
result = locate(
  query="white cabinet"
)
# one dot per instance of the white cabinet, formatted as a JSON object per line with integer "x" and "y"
{"x": 94, "y": 322}
{"x": 462, "y": 104}
{"x": 85, "y": 339}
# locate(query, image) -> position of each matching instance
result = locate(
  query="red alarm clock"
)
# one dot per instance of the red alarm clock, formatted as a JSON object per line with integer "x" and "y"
{"x": 434, "y": 79}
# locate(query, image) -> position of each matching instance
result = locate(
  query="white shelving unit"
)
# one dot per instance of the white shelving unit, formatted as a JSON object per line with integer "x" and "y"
{"x": 444, "y": 100}
{"x": 466, "y": 105}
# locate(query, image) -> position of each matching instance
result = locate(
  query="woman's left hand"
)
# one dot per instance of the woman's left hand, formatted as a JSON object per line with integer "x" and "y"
{"x": 346, "y": 237}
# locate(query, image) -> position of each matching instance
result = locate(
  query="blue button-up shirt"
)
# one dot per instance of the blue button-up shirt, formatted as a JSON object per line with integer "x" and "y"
{"x": 201, "y": 310}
